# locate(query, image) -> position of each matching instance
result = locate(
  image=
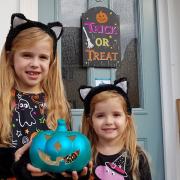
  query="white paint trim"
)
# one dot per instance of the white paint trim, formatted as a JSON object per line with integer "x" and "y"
{"x": 29, "y": 8}
{"x": 169, "y": 121}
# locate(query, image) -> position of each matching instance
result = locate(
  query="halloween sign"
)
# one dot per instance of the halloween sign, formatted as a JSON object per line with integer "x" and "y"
{"x": 60, "y": 150}
{"x": 100, "y": 38}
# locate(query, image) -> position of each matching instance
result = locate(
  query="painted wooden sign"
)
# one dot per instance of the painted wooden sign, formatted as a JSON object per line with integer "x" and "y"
{"x": 100, "y": 38}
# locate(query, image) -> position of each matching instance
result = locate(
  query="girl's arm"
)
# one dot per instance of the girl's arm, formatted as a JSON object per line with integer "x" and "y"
{"x": 22, "y": 168}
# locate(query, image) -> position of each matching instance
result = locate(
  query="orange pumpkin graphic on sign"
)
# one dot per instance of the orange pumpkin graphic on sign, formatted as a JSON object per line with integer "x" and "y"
{"x": 101, "y": 17}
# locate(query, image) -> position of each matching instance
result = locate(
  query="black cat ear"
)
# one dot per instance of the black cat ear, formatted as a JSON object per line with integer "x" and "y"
{"x": 57, "y": 28}
{"x": 122, "y": 83}
{"x": 19, "y": 23}
{"x": 84, "y": 91}
{"x": 18, "y": 19}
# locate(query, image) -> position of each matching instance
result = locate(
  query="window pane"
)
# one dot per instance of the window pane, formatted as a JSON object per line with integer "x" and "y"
{"x": 74, "y": 74}
{"x": 127, "y": 10}
{"x": 71, "y": 11}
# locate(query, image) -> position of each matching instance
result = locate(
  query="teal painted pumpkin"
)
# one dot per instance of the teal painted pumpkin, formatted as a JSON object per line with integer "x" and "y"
{"x": 60, "y": 150}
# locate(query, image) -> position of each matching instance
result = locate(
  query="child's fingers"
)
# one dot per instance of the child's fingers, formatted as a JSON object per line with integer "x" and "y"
{"x": 39, "y": 174}
{"x": 33, "y": 169}
{"x": 21, "y": 151}
{"x": 84, "y": 171}
{"x": 26, "y": 146}
{"x": 65, "y": 174}
{"x": 17, "y": 155}
{"x": 90, "y": 166}
{"x": 74, "y": 175}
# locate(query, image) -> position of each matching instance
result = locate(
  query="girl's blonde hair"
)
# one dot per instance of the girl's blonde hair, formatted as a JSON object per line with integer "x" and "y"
{"x": 53, "y": 87}
{"x": 128, "y": 138}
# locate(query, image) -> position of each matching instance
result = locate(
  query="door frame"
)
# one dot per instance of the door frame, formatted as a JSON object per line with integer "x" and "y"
{"x": 169, "y": 118}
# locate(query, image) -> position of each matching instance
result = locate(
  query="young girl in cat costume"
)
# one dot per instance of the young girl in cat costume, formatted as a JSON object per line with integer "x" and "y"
{"x": 108, "y": 123}
{"x": 32, "y": 95}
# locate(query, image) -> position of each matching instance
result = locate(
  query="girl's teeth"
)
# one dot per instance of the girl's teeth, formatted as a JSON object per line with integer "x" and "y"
{"x": 32, "y": 73}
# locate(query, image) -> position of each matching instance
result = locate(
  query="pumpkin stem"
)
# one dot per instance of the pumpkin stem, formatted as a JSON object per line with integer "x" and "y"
{"x": 61, "y": 125}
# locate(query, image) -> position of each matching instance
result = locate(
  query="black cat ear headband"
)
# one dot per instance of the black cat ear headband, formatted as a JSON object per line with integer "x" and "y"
{"x": 20, "y": 23}
{"x": 87, "y": 93}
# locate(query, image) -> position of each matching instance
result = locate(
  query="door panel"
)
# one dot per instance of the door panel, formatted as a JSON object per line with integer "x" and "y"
{"x": 144, "y": 72}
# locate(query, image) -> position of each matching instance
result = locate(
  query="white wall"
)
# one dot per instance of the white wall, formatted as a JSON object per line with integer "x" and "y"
{"x": 169, "y": 53}
{"x": 176, "y": 71}
{"x": 174, "y": 30}
{"x": 6, "y": 9}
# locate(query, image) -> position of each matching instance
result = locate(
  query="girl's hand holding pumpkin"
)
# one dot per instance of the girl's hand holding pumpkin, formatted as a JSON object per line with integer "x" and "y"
{"x": 74, "y": 174}
{"x": 21, "y": 151}
{"x": 83, "y": 173}
{"x": 33, "y": 170}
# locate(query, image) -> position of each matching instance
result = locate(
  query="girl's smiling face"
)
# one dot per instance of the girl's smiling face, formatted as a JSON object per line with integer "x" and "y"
{"x": 109, "y": 119}
{"x": 31, "y": 66}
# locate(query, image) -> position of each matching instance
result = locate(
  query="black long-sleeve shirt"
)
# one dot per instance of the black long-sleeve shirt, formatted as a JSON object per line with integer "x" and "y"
{"x": 117, "y": 167}
{"x": 29, "y": 117}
